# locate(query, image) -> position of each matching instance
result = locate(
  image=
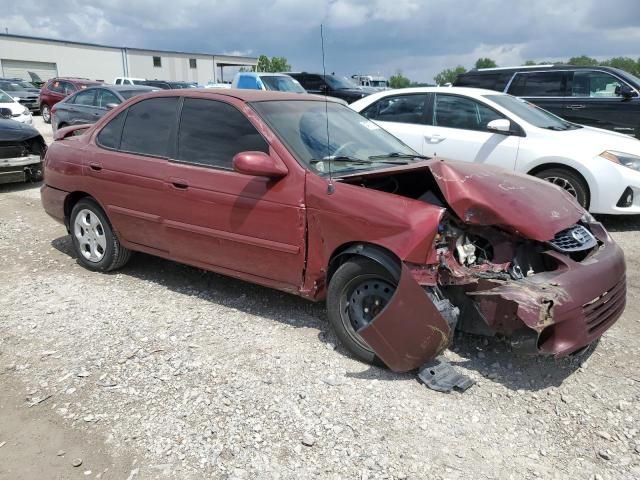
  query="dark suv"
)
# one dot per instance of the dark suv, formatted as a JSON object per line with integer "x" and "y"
{"x": 332, "y": 85}
{"x": 58, "y": 88}
{"x": 602, "y": 97}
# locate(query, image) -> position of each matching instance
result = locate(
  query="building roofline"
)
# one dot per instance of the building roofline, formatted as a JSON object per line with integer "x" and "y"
{"x": 118, "y": 47}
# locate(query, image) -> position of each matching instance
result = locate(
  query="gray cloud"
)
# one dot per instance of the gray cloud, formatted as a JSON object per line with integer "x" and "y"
{"x": 376, "y": 36}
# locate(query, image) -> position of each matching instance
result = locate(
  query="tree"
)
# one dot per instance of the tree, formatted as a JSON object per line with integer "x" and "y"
{"x": 448, "y": 75}
{"x": 583, "y": 61}
{"x": 276, "y": 64}
{"x": 485, "y": 63}
{"x": 399, "y": 81}
{"x": 279, "y": 64}
{"x": 530, "y": 62}
{"x": 624, "y": 63}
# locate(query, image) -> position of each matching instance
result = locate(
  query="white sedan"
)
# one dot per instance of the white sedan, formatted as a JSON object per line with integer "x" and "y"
{"x": 19, "y": 112}
{"x": 599, "y": 167}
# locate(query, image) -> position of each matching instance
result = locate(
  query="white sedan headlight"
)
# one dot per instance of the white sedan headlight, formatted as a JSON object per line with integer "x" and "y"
{"x": 26, "y": 111}
{"x": 626, "y": 159}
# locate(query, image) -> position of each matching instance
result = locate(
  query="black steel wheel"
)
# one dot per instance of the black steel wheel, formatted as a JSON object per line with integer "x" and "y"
{"x": 359, "y": 290}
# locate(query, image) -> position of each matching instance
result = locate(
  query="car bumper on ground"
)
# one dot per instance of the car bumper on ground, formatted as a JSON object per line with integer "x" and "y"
{"x": 563, "y": 310}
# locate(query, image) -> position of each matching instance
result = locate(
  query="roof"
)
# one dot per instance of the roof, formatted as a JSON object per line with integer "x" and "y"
{"x": 262, "y": 74}
{"x": 248, "y": 95}
{"x": 125, "y": 88}
{"x": 480, "y": 71}
{"x": 364, "y": 102}
{"x": 88, "y": 44}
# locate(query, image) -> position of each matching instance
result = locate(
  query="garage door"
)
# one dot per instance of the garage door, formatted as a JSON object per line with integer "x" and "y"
{"x": 21, "y": 69}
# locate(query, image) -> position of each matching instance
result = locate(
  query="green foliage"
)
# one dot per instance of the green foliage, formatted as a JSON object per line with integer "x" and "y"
{"x": 624, "y": 63}
{"x": 448, "y": 75}
{"x": 583, "y": 61}
{"x": 530, "y": 62}
{"x": 399, "y": 81}
{"x": 276, "y": 64}
{"x": 485, "y": 63}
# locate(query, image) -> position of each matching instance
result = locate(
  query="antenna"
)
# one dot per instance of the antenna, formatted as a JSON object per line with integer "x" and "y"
{"x": 330, "y": 187}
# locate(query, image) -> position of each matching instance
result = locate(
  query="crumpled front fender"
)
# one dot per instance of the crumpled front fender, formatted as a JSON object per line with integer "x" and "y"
{"x": 410, "y": 330}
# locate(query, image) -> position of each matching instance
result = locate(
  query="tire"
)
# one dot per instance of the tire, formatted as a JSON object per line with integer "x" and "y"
{"x": 45, "y": 111}
{"x": 344, "y": 300}
{"x": 569, "y": 181}
{"x": 94, "y": 241}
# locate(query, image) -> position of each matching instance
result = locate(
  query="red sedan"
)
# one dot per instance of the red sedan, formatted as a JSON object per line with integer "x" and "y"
{"x": 302, "y": 194}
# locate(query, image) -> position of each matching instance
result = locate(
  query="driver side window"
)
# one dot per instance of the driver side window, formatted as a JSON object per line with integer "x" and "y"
{"x": 594, "y": 84}
{"x": 464, "y": 113}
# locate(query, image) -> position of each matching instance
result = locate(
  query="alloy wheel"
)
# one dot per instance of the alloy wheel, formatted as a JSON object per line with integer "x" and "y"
{"x": 89, "y": 232}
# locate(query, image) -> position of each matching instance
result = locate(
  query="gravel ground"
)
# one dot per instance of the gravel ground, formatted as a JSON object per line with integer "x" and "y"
{"x": 174, "y": 372}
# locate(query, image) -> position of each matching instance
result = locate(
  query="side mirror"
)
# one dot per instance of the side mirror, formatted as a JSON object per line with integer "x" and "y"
{"x": 6, "y": 113}
{"x": 624, "y": 91}
{"x": 500, "y": 125}
{"x": 110, "y": 106}
{"x": 259, "y": 164}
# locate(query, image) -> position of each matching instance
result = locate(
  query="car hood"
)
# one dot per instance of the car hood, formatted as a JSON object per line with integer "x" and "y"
{"x": 485, "y": 195}
{"x": 12, "y": 131}
{"x": 15, "y": 107}
{"x": 23, "y": 93}
{"x": 597, "y": 140}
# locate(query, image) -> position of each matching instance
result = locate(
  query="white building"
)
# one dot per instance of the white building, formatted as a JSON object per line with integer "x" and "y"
{"x": 49, "y": 58}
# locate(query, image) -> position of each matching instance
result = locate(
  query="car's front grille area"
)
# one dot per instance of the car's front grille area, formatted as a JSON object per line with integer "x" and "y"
{"x": 574, "y": 239}
{"x": 603, "y": 310}
{"x": 13, "y": 149}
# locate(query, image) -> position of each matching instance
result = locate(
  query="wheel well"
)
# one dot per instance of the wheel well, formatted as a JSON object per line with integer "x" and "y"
{"x": 561, "y": 166}
{"x": 377, "y": 253}
{"x": 70, "y": 202}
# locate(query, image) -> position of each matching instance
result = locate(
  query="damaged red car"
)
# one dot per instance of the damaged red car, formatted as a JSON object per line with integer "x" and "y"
{"x": 302, "y": 194}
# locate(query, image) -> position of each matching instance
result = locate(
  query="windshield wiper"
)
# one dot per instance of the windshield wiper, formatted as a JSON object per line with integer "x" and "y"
{"x": 556, "y": 128}
{"x": 397, "y": 155}
{"x": 342, "y": 159}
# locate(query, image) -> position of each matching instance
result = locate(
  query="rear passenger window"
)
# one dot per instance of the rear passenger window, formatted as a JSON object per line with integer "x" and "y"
{"x": 212, "y": 133}
{"x": 109, "y": 136}
{"x": 148, "y": 126}
{"x": 538, "y": 84}
{"x": 399, "y": 108}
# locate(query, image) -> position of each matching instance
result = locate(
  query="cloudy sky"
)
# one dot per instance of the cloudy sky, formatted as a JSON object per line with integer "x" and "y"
{"x": 419, "y": 38}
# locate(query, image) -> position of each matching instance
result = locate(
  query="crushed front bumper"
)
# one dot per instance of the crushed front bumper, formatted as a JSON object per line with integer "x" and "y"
{"x": 20, "y": 169}
{"x": 560, "y": 311}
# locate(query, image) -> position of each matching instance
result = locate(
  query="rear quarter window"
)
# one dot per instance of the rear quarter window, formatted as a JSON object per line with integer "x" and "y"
{"x": 109, "y": 136}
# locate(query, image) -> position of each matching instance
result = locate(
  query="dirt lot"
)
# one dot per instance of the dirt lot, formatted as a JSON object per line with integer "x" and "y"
{"x": 166, "y": 371}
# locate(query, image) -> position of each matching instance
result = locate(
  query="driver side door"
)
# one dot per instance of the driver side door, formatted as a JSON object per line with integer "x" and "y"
{"x": 458, "y": 131}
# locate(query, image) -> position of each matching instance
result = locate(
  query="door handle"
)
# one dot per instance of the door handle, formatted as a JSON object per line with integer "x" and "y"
{"x": 575, "y": 107}
{"x": 179, "y": 183}
{"x": 96, "y": 167}
{"x": 435, "y": 138}
{"x": 73, "y": 110}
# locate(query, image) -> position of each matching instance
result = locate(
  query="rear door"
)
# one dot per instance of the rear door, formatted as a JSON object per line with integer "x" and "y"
{"x": 595, "y": 101}
{"x": 458, "y": 131}
{"x": 216, "y": 216}
{"x": 405, "y": 116}
{"x": 79, "y": 108}
{"x": 547, "y": 89}
{"x": 127, "y": 173}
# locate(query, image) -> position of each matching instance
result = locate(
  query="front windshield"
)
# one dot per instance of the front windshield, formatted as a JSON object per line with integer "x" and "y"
{"x": 339, "y": 83}
{"x": 281, "y": 84}
{"x": 531, "y": 113}
{"x": 25, "y": 85}
{"x": 5, "y": 98}
{"x": 354, "y": 143}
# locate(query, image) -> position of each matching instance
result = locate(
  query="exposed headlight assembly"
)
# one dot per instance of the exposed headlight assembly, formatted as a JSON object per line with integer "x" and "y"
{"x": 587, "y": 218}
{"x": 25, "y": 111}
{"x": 626, "y": 159}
